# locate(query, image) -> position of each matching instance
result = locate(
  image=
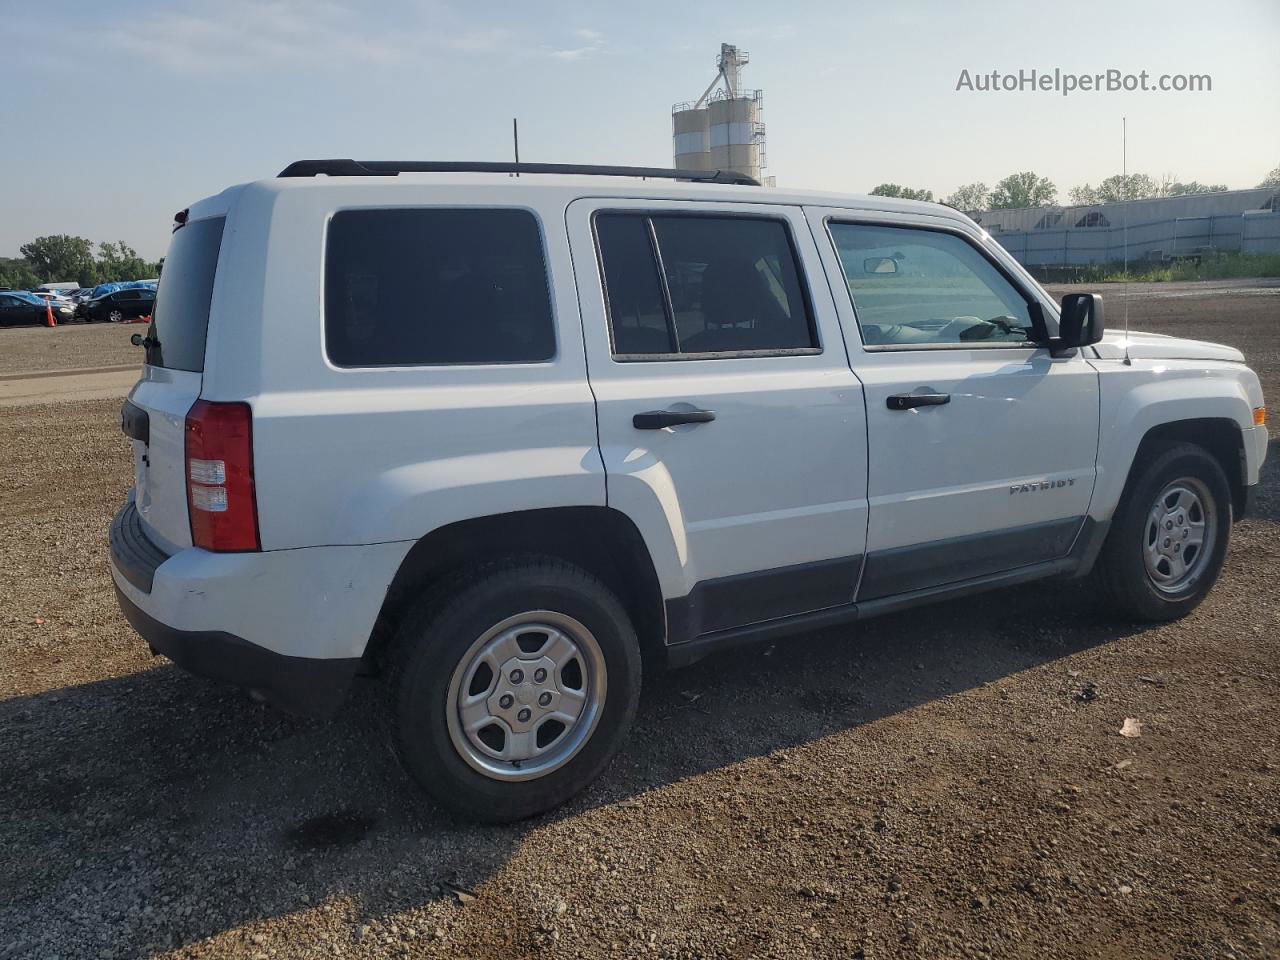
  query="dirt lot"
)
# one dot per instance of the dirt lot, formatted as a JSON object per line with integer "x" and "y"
{"x": 944, "y": 783}
{"x": 67, "y": 346}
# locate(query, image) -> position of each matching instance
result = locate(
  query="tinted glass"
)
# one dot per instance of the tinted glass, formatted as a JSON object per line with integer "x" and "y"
{"x": 432, "y": 286}
{"x": 732, "y": 282}
{"x": 922, "y": 287}
{"x": 633, "y": 289}
{"x": 180, "y": 320}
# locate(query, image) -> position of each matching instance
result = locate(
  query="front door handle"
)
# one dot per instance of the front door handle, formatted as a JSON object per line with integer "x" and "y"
{"x": 908, "y": 401}
{"x": 657, "y": 419}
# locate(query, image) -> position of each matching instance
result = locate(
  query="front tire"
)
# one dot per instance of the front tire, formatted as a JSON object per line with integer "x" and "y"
{"x": 1169, "y": 536}
{"x": 512, "y": 688}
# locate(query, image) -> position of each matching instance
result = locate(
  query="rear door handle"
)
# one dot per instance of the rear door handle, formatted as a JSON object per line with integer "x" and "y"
{"x": 908, "y": 401}
{"x": 657, "y": 419}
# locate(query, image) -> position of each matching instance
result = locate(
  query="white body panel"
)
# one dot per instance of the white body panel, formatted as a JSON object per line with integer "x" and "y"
{"x": 778, "y": 479}
{"x": 1016, "y": 418}
{"x": 804, "y": 462}
{"x": 159, "y": 466}
{"x": 347, "y": 456}
{"x": 1145, "y": 394}
{"x": 319, "y": 602}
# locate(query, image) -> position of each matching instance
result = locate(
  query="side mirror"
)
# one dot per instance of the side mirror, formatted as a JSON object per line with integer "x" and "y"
{"x": 136, "y": 339}
{"x": 880, "y": 265}
{"x": 1081, "y": 322}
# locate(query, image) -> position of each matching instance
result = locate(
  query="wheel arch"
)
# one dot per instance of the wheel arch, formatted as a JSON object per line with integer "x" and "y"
{"x": 1220, "y": 437}
{"x": 601, "y": 540}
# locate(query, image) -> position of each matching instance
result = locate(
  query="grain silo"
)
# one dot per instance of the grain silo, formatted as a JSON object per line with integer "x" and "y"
{"x": 691, "y": 137}
{"x": 722, "y": 129}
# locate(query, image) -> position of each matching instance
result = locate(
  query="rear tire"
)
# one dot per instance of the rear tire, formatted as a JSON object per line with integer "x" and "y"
{"x": 1169, "y": 536}
{"x": 512, "y": 687}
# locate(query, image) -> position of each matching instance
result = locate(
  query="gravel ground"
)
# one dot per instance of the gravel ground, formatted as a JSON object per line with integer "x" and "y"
{"x": 944, "y": 783}
{"x": 67, "y": 346}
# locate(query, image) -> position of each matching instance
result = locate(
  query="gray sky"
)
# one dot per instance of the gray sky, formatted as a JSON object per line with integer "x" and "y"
{"x": 131, "y": 109}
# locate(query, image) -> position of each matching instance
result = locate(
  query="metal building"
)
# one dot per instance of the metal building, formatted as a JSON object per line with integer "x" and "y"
{"x": 1153, "y": 230}
{"x": 722, "y": 130}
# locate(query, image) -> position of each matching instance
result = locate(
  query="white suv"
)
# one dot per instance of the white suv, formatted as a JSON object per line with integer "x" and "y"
{"x": 494, "y": 436}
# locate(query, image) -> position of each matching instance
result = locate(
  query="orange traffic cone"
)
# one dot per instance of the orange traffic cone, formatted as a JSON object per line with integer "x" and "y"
{"x": 48, "y": 316}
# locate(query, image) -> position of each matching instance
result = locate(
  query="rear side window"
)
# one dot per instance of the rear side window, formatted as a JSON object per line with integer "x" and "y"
{"x": 409, "y": 287}
{"x": 180, "y": 319}
{"x": 693, "y": 285}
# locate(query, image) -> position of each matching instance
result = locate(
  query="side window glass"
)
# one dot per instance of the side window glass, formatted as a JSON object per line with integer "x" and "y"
{"x": 637, "y": 312}
{"x": 410, "y": 286}
{"x": 709, "y": 285}
{"x": 912, "y": 286}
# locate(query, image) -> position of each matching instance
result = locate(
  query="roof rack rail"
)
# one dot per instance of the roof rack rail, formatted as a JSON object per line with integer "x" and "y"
{"x": 391, "y": 168}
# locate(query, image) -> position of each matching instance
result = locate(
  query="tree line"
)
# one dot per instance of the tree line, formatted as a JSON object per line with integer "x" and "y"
{"x": 60, "y": 258}
{"x": 1028, "y": 189}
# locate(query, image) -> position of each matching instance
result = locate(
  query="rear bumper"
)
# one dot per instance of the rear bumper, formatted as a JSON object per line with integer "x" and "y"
{"x": 291, "y": 625}
{"x": 302, "y": 685}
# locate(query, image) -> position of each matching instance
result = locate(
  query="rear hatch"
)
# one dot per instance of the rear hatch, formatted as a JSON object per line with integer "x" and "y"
{"x": 155, "y": 413}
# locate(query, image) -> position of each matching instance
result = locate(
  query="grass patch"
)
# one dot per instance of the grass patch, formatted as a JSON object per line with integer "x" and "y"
{"x": 1219, "y": 266}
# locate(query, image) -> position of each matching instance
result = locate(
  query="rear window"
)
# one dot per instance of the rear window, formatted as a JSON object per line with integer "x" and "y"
{"x": 180, "y": 320}
{"x": 409, "y": 287}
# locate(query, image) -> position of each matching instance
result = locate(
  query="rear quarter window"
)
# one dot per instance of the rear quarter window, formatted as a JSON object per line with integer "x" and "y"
{"x": 409, "y": 287}
{"x": 180, "y": 318}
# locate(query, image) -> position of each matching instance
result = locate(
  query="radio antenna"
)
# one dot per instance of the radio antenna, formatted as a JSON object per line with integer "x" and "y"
{"x": 515, "y": 142}
{"x": 1124, "y": 196}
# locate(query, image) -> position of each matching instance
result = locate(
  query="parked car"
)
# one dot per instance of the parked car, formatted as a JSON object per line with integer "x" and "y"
{"x": 63, "y": 308}
{"x": 121, "y": 305}
{"x": 96, "y": 293}
{"x": 21, "y": 306}
{"x": 626, "y": 415}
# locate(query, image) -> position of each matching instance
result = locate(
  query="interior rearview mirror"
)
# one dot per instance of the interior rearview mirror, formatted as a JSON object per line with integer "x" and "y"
{"x": 1081, "y": 321}
{"x": 880, "y": 265}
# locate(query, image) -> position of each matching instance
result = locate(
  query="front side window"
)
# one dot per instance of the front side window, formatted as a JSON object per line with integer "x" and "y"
{"x": 917, "y": 287}
{"x": 418, "y": 286}
{"x": 681, "y": 285}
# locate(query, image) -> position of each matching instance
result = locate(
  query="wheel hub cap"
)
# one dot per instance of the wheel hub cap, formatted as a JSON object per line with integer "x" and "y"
{"x": 527, "y": 693}
{"x": 1179, "y": 535}
{"x": 526, "y": 696}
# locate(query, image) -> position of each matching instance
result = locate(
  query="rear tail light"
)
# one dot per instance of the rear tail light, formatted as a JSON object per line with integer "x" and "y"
{"x": 220, "y": 495}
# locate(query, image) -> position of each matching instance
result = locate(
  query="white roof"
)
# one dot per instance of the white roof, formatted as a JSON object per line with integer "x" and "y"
{"x": 573, "y": 186}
